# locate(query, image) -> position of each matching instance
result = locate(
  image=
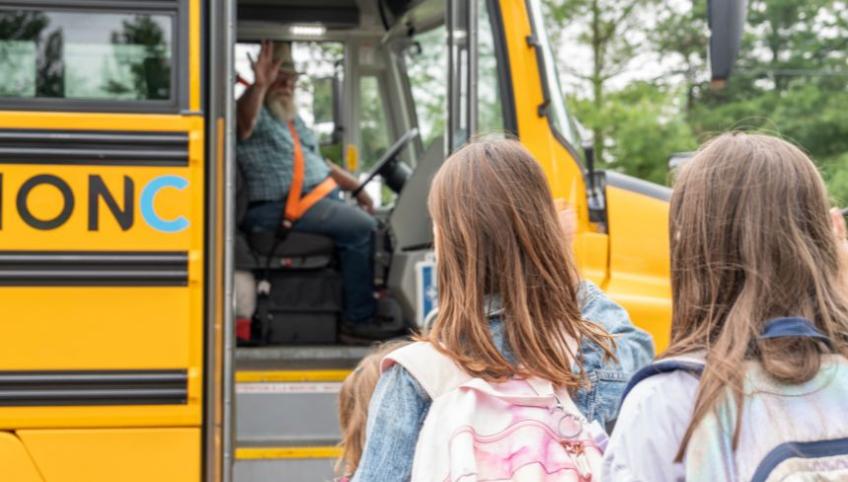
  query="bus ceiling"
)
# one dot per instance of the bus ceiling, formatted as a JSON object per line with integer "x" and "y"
{"x": 335, "y": 19}
{"x": 331, "y": 14}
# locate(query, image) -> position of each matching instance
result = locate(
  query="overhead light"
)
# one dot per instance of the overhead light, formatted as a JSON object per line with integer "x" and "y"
{"x": 308, "y": 30}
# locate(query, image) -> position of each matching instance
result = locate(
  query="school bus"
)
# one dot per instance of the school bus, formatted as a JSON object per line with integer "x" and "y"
{"x": 118, "y": 225}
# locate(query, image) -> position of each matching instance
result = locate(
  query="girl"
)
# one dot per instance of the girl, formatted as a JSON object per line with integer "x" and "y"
{"x": 510, "y": 303}
{"x": 354, "y": 396}
{"x": 759, "y": 309}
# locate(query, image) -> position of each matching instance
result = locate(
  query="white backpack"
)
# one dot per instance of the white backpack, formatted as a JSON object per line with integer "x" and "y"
{"x": 520, "y": 430}
{"x": 789, "y": 433}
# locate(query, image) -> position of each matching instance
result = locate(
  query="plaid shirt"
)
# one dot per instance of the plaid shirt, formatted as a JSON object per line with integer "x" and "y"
{"x": 267, "y": 158}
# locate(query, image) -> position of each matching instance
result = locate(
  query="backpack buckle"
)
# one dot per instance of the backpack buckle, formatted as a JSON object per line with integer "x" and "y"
{"x": 569, "y": 426}
{"x": 557, "y": 404}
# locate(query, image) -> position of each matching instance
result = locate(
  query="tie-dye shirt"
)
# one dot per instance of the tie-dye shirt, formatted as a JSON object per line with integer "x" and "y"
{"x": 657, "y": 412}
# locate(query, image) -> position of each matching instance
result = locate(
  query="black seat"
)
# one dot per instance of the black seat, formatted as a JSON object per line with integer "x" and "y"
{"x": 297, "y": 251}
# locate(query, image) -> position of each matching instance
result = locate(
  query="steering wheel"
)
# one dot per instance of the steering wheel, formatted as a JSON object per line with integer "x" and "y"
{"x": 386, "y": 159}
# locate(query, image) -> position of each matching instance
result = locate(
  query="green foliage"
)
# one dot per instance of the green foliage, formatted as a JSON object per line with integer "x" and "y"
{"x": 150, "y": 69}
{"x": 836, "y": 172}
{"x": 643, "y": 127}
{"x": 791, "y": 79}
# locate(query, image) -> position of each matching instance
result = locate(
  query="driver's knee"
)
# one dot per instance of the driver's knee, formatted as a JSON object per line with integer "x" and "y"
{"x": 349, "y": 226}
{"x": 356, "y": 227}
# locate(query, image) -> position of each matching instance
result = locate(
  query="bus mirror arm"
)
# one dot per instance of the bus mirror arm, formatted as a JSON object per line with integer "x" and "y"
{"x": 595, "y": 187}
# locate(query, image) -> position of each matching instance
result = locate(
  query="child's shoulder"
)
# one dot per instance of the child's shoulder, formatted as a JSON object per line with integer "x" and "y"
{"x": 665, "y": 390}
{"x": 435, "y": 371}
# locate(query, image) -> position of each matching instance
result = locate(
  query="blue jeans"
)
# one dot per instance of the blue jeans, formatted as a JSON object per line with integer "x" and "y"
{"x": 352, "y": 231}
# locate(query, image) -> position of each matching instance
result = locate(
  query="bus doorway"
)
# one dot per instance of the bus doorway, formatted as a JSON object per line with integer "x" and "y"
{"x": 376, "y": 100}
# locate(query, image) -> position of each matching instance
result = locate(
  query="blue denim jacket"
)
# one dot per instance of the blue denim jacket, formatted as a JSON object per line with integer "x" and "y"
{"x": 399, "y": 404}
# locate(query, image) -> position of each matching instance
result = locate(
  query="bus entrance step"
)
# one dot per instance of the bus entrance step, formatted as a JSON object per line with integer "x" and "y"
{"x": 265, "y": 462}
{"x": 287, "y": 411}
{"x": 287, "y": 406}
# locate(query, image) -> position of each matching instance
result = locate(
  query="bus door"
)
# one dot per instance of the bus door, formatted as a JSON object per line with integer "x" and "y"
{"x": 101, "y": 240}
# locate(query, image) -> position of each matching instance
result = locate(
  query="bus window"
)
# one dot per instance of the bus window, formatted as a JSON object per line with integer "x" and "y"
{"x": 372, "y": 122}
{"x": 426, "y": 63}
{"x": 318, "y": 62}
{"x": 86, "y": 55}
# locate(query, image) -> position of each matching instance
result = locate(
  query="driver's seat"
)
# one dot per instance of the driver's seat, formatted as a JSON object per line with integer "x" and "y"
{"x": 296, "y": 251}
{"x": 304, "y": 299}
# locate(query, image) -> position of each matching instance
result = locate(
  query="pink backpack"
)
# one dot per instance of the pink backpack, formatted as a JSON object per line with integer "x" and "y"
{"x": 520, "y": 430}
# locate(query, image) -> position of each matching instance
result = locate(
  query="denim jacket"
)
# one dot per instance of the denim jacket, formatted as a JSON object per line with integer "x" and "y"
{"x": 400, "y": 405}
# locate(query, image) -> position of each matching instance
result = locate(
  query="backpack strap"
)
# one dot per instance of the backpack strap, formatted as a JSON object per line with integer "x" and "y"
{"x": 790, "y": 326}
{"x": 793, "y": 326}
{"x": 693, "y": 366}
{"x": 436, "y": 372}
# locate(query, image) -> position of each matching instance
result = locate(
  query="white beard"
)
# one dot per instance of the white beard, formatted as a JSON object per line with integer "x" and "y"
{"x": 282, "y": 108}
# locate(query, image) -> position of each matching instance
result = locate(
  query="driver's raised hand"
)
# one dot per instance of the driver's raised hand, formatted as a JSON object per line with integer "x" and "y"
{"x": 265, "y": 68}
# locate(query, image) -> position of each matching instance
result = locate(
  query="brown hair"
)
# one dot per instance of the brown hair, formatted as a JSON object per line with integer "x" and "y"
{"x": 751, "y": 239}
{"x": 354, "y": 397}
{"x": 497, "y": 234}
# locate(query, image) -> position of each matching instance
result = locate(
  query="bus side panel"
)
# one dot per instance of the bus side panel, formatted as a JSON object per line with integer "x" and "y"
{"x": 101, "y": 270}
{"x": 639, "y": 260}
{"x": 128, "y": 455}
{"x": 15, "y": 461}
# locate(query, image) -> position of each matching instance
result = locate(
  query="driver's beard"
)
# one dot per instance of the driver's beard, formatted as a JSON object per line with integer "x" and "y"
{"x": 281, "y": 107}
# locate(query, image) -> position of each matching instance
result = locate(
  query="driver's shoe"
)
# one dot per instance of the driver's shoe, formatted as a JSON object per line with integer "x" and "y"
{"x": 377, "y": 328}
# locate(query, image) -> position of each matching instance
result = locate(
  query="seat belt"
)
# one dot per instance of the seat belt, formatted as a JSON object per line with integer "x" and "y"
{"x": 297, "y": 206}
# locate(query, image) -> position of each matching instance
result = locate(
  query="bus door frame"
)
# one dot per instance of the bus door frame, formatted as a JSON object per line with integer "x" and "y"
{"x": 461, "y": 24}
{"x": 219, "y": 77}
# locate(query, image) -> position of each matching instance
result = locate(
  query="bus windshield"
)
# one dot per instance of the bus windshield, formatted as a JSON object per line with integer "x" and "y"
{"x": 560, "y": 120}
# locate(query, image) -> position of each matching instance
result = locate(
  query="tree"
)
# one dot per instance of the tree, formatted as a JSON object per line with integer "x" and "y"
{"x": 612, "y": 30}
{"x": 791, "y": 79}
{"x": 150, "y": 72}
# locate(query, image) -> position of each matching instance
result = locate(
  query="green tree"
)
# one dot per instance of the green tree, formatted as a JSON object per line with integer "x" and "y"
{"x": 791, "y": 79}
{"x": 150, "y": 72}
{"x": 610, "y": 30}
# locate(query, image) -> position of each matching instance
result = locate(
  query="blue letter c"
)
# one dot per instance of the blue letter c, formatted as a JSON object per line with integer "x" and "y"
{"x": 149, "y": 213}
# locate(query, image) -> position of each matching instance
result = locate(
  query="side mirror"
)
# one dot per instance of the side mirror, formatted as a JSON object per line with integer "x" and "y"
{"x": 727, "y": 22}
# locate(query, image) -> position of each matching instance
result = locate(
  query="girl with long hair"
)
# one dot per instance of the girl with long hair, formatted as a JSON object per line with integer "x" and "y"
{"x": 756, "y": 366}
{"x": 511, "y": 304}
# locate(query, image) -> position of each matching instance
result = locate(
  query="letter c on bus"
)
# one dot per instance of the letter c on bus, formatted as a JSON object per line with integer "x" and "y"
{"x": 148, "y": 212}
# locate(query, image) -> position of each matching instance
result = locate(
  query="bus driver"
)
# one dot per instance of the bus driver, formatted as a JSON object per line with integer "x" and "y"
{"x": 288, "y": 181}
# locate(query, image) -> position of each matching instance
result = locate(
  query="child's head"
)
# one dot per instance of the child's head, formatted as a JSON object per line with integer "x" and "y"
{"x": 497, "y": 237}
{"x": 354, "y": 397}
{"x": 751, "y": 239}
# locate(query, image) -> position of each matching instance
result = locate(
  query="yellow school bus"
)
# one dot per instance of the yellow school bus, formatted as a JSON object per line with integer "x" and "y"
{"x": 118, "y": 222}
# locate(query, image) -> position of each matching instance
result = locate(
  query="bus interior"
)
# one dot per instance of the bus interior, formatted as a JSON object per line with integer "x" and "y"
{"x": 374, "y": 87}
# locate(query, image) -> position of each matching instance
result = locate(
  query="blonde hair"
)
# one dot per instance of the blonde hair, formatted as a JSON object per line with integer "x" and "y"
{"x": 354, "y": 397}
{"x": 751, "y": 240}
{"x": 497, "y": 234}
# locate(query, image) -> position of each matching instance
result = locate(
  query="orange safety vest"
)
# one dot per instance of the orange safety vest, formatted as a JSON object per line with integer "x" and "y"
{"x": 297, "y": 206}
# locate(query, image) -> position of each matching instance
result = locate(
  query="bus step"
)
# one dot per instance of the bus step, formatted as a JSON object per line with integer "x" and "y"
{"x": 287, "y": 406}
{"x": 266, "y": 462}
{"x": 287, "y": 411}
